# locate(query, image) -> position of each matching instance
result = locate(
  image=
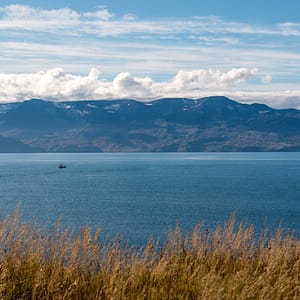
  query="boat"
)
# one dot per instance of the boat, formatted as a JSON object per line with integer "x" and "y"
{"x": 61, "y": 166}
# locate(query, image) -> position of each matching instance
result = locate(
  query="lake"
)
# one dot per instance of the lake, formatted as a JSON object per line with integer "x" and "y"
{"x": 146, "y": 194}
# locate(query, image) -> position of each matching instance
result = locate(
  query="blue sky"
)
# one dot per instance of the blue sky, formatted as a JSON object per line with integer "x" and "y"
{"x": 65, "y": 50}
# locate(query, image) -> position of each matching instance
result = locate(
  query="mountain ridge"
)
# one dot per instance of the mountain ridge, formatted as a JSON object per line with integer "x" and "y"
{"x": 214, "y": 123}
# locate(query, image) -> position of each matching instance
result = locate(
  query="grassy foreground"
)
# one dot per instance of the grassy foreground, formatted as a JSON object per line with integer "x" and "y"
{"x": 227, "y": 263}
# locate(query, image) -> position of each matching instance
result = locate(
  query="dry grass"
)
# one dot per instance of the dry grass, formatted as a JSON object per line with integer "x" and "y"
{"x": 228, "y": 263}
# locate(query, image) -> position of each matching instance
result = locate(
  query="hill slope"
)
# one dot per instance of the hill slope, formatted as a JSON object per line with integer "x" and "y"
{"x": 207, "y": 124}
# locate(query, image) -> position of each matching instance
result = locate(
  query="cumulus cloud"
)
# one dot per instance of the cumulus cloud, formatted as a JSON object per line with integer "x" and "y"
{"x": 129, "y": 86}
{"x": 56, "y": 84}
{"x": 208, "y": 79}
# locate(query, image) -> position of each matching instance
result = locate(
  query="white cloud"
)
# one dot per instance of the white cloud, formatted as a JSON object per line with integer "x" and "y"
{"x": 102, "y": 22}
{"x": 58, "y": 85}
{"x": 289, "y": 29}
{"x": 130, "y": 17}
{"x": 23, "y": 17}
{"x": 34, "y": 38}
{"x": 205, "y": 79}
{"x": 275, "y": 98}
{"x": 213, "y": 40}
{"x": 143, "y": 57}
{"x": 79, "y": 40}
{"x": 267, "y": 78}
{"x": 55, "y": 84}
{"x": 102, "y": 14}
{"x": 129, "y": 86}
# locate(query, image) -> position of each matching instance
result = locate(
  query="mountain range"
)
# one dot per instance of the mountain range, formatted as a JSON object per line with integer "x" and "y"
{"x": 164, "y": 125}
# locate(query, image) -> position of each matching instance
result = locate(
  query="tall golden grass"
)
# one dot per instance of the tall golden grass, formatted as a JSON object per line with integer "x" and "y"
{"x": 227, "y": 263}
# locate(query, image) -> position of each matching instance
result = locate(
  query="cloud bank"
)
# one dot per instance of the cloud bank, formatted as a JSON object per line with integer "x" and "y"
{"x": 56, "y": 84}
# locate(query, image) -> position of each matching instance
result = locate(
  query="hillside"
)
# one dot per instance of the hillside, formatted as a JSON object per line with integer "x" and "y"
{"x": 207, "y": 124}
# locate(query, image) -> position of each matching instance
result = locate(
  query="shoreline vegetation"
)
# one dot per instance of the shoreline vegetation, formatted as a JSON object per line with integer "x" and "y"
{"x": 229, "y": 262}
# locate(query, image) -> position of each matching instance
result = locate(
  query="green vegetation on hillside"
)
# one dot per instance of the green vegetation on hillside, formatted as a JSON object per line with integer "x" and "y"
{"x": 227, "y": 263}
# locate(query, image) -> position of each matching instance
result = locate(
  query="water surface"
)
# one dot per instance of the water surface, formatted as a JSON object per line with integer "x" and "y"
{"x": 138, "y": 195}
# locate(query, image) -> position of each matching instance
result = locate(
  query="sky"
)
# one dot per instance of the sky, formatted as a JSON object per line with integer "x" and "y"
{"x": 73, "y": 50}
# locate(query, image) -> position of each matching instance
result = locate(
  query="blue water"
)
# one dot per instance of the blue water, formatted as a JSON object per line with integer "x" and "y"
{"x": 142, "y": 195}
